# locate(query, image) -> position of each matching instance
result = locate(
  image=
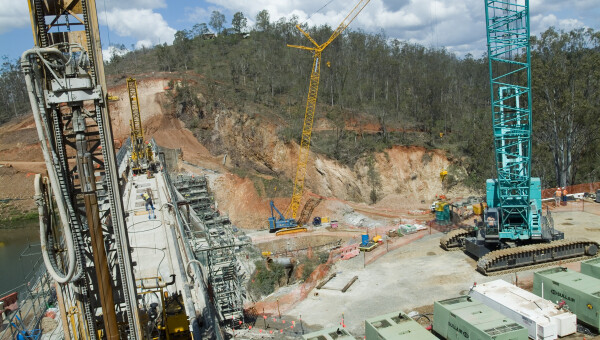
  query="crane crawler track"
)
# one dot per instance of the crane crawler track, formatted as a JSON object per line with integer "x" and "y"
{"x": 291, "y": 231}
{"x": 452, "y": 240}
{"x": 536, "y": 255}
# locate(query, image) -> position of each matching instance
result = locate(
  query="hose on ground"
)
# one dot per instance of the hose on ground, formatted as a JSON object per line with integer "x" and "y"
{"x": 187, "y": 266}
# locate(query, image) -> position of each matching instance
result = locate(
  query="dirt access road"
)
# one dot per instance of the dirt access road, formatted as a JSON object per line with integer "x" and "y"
{"x": 415, "y": 275}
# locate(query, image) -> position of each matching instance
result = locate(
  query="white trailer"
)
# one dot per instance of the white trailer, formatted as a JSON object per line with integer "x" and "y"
{"x": 543, "y": 319}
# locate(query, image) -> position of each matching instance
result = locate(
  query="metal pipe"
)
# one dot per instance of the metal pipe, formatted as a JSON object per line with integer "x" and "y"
{"x": 210, "y": 317}
{"x": 189, "y": 303}
{"x": 158, "y": 284}
{"x": 105, "y": 291}
{"x": 286, "y": 262}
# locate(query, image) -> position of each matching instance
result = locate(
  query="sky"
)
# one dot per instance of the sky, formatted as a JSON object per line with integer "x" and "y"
{"x": 457, "y": 25}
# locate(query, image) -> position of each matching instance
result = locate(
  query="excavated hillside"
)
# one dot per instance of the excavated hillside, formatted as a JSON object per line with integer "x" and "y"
{"x": 252, "y": 164}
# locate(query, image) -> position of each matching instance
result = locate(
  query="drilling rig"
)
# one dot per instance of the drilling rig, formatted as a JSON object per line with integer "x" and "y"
{"x": 141, "y": 153}
{"x": 86, "y": 249}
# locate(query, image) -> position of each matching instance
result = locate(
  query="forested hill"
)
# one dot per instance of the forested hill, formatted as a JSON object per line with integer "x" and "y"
{"x": 415, "y": 94}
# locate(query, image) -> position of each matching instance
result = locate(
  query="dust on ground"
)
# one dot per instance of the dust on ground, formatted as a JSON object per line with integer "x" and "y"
{"x": 415, "y": 275}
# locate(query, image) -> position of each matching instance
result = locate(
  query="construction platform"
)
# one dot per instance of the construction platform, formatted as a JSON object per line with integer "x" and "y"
{"x": 151, "y": 241}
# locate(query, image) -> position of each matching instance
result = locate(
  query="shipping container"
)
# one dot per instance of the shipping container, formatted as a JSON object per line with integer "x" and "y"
{"x": 542, "y": 318}
{"x": 396, "y": 326}
{"x": 580, "y": 292}
{"x": 334, "y": 333}
{"x": 465, "y": 318}
{"x": 591, "y": 267}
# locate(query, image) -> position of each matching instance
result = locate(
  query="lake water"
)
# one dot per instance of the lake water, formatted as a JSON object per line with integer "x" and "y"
{"x": 19, "y": 251}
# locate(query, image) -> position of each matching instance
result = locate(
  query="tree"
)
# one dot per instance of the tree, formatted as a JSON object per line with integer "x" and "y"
{"x": 182, "y": 44}
{"x": 262, "y": 20}
{"x": 14, "y": 100}
{"x": 181, "y": 37}
{"x": 165, "y": 57}
{"x": 239, "y": 22}
{"x": 217, "y": 19}
{"x": 412, "y": 91}
{"x": 373, "y": 178}
{"x": 566, "y": 97}
{"x": 199, "y": 30}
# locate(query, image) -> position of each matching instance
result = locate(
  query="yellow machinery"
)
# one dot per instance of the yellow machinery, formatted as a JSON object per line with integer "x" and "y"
{"x": 165, "y": 314}
{"x": 479, "y": 209}
{"x": 443, "y": 175}
{"x": 141, "y": 154}
{"x": 309, "y": 116}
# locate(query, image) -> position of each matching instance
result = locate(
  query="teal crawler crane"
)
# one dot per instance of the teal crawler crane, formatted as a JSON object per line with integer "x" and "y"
{"x": 514, "y": 216}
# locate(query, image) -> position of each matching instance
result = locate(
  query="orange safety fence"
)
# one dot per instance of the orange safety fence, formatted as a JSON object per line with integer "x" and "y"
{"x": 288, "y": 301}
{"x": 573, "y": 189}
{"x": 394, "y": 244}
{"x": 283, "y": 303}
{"x": 272, "y": 327}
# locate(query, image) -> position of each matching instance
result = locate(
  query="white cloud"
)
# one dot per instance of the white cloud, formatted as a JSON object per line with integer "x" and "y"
{"x": 197, "y": 14}
{"x": 130, "y": 4}
{"x": 457, "y": 25}
{"x": 131, "y": 18}
{"x": 143, "y": 43}
{"x": 109, "y": 53}
{"x": 570, "y": 24}
{"x": 147, "y": 27}
{"x": 13, "y": 14}
{"x": 428, "y": 22}
{"x": 540, "y": 23}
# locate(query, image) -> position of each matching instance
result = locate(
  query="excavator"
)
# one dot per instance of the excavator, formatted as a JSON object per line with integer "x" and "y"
{"x": 514, "y": 233}
{"x": 281, "y": 224}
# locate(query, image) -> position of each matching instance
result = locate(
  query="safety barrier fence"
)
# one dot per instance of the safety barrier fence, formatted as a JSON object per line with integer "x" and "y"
{"x": 35, "y": 296}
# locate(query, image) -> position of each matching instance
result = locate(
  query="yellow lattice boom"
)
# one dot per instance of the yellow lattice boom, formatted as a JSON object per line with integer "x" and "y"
{"x": 138, "y": 151}
{"x": 311, "y": 103}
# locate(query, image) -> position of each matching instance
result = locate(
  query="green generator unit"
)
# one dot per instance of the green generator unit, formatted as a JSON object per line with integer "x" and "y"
{"x": 591, "y": 267}
{"x": 464, "y": 318}
{"x": 396, "y": 326}
{"x": 334, "y": 333}
{"x": 579, "y": 291}
{"x": 442, "y": 213}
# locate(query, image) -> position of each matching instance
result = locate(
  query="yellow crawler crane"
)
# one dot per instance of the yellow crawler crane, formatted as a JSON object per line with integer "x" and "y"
{"x": 277, "y": 224}
{"x": 140, "y": 154}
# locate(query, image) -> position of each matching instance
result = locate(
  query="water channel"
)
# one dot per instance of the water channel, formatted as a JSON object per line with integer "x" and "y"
{"x": 19, "y": 252}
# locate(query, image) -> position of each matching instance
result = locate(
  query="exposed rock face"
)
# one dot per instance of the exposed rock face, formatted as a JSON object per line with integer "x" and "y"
{"x": 234, "y": 142}
{"x": 251, "y": 142}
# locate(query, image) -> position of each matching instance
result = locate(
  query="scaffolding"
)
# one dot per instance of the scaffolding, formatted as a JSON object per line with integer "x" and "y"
{"x": 214, "y": 244}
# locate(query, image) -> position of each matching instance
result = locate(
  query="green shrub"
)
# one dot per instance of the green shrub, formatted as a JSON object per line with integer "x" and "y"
{"x": 311, "y": 264}
{"x": 265, "y": 280}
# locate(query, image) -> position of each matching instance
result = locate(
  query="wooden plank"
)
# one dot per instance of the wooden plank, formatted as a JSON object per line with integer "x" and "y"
{"x": 320, "y": 285}
{"x": 349, "y": 284}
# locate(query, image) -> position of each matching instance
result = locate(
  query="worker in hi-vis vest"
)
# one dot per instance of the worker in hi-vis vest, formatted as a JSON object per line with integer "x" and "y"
{"x": 149, "y": 204}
